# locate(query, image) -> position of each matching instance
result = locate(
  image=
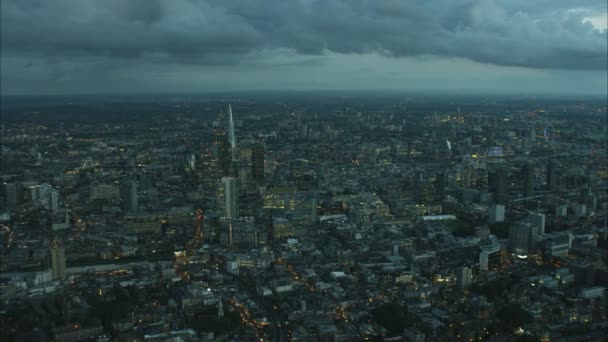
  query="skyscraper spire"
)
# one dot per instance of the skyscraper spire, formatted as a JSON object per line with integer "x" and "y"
{"x": 231, "y": 135}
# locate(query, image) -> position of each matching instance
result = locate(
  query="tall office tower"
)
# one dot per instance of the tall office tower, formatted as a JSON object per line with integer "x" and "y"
{"x": 321, "y": 172}
{"x": 492, "y": 181}
{"x": 128, "y": 195}
{"x": 231, "y": 135}
{"x": 522, "y": 238}
{"x": 58, "y": 265}
{"x": 490, "y": 135}
{"x": 496, "y": 213}
{"x": 532, "y": 133}
{"x": 465, "y": 176}
{"x": 561, "y": 210}
{"x": 538, "y": 220}
{"x": 501, "y": 195}
{"x": 257, "y": 163}
{"x": 224, "y": 156}
{"x": 551, "y": 176}
{"x": 489, "y": 258}
{"x": 54, "y": 200}
{"x": 441, "y": 182}
{"x": 464, "y": 277}
{"x": 146, "y": 181}
{"x": 231, "y": 194}
{"x": 11, "y": 195}
{"x": 393, "y": 151}
{"x": 244, "y": 176}
{"x": 424, "y": 192}
{"x": 313, "y": 210}
{"x": 527, "y": 178}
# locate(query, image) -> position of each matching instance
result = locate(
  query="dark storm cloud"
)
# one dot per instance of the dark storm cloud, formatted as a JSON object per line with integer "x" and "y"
{"x": 537, "y": 34}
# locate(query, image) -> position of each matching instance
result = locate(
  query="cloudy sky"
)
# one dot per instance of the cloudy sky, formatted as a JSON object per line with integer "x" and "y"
{"x": 118, "y": 46}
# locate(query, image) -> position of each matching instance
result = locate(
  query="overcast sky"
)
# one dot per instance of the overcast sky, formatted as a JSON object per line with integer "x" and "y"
{"x": 100, "y": 46}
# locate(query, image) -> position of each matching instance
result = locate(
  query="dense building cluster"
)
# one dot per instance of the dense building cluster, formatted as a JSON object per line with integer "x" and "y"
{"x": 321, "y": 218}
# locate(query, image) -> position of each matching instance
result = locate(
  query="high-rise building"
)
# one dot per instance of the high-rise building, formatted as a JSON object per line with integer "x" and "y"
{"x": 313, "y": 210}
{"x": 257, "y": 163}
{"x": 11, "y": 195}
{"x": 489, "y": 258}
{"x": 54, "y": 200}
{"x": 502, "y": 190}
{"x": 527, "y": 179}
{"x": 243, "y": 174}
{"x": 145, "y": 181}
{"x": 231, "y": 135}
{"x": 580, "y": 210}
{"x": 128, "y": 195}
{"x": 224, "y": 156}
{"x": 538, "y": 220}
{"x": 522, "y": 237}
{"x": 464, "y": 277}
{"x": 58, "y": 264}
{"x": 551, "y": 176}
{"x": 441, "y": 183}
{"x": 561, "y": 210}
{"x": 423, "y": 192}
{"x": 321, "y": 171}
{"x": 496, "y": 213}
{"x": 498, "y": 183}
{"x": 230, "y": 195}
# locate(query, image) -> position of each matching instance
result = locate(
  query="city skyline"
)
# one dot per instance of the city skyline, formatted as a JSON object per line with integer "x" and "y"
{"x": 306, "y": 170}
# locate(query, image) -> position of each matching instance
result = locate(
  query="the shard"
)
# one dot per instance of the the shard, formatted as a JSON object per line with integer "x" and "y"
{"x": 231, "y": 135}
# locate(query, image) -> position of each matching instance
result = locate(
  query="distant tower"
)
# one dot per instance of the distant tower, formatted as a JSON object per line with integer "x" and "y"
{"x": 257, "y": 163}
{"x": 54, "y": 200}
{"x": 321, "y": 171}
{"x": 441, "y": 182}
{"x": 533, "y": 133}
{"x": 128, "y": 195}
{"x": 223, "y": 153}
{"x": 11, "y": 195}
{"x": 220, "y": 308}
{"x": 498, "y": 183}
{"x": 496, "y": 213}
{"x": 230, "y": 197}
{"x": 464, "y": 277}
{"x": 313, "y": 210}
{"x": 58, "y": 265}
{"x": 231, "y": 136}
{"x": 551, "y": 176}
{"x": 539, "y": 221}
{"x": 527, "y": 178}
{"x": 523, "y": 237}
{"x": 489, "y": 258}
